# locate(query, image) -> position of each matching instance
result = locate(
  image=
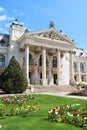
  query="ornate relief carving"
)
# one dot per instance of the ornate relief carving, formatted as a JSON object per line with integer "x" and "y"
{"x": 50, "y": 35}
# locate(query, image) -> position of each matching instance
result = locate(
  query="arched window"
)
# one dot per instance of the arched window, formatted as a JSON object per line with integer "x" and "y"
{"x": 54, "y": 61}
{"x": 2, "y": 60}
{"x": 30, "y": 59}
{"x": 75, "y": 67}
{"x": 40, "y": 60}
{"x": 81, "y": 67}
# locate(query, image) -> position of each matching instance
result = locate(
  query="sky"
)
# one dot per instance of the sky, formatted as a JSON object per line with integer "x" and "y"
{"x": 70, "y": 16}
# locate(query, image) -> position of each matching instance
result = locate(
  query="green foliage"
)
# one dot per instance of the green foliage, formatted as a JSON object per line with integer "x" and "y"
{"x": 83, "y": 85}
{"x": 13, "y": 79}
{"x": 28, "y": 87}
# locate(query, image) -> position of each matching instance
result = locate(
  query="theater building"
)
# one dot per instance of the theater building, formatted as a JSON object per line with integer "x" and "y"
{"x": 47, "y": 57}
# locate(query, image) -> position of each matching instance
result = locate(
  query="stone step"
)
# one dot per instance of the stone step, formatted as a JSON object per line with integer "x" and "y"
{"x": 54, "y": 88}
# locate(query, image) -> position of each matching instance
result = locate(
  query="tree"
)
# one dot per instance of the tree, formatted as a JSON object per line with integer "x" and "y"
{"x": 13, "y": 79}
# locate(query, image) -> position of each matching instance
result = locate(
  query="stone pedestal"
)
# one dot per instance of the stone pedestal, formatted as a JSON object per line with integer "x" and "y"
{"x": 44, "y": 82}
{"x": 51, "y": 82}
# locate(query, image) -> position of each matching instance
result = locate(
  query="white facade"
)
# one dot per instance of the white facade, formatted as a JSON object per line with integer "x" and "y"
{"x": 47, "y": 57}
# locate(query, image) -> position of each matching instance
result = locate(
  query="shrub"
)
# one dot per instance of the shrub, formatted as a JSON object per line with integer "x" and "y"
{"x": 13, "y": 79}
{"x": 83, "y": 85}
{"x": 28, "y": 87}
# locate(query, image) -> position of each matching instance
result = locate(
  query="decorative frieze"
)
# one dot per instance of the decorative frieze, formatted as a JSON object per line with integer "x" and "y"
{"x": 51, "y": 35}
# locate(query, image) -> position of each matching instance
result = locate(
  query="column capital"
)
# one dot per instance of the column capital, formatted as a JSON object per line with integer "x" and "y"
{"x": 26, "y": 45}
{"x": 43, "y": 48}
{"x": 71, "y": 52}
{"x": 58, "y": 50}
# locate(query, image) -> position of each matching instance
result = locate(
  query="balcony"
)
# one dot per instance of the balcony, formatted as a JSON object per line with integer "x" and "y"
{"x": 31, "y": 68}
{"x": 82, "y": 73}
{"x": 76, "y": 72}
{"x": 40, "y": 69}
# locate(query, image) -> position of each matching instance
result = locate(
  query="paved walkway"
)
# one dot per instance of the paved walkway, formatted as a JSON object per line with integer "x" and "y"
{"x": 64, "y": 94}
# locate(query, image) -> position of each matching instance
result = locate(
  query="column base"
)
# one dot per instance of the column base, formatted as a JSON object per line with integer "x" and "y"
{"x": 44, "y": 82}
{"x": 51, "y": 82}
{"x": 72, "y": 82}
{"x": 57, "y": 82}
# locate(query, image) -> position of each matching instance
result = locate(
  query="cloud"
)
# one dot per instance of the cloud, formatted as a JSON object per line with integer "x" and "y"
{"x": 21, "y": 14}
{"x": 3, "y": 17}
{"x": 7, "y": 24}
{"x": 1, "y": 29}
{"x": 15, "y": 10}
{"x": 5, "y": 20}
{"x": 22, "y": 23}
{"x": 10, "y": 18}
{"x": 2, "y": 9}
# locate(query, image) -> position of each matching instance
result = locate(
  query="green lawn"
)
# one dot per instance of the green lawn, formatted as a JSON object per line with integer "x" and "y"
{"x": 37, "y": 121}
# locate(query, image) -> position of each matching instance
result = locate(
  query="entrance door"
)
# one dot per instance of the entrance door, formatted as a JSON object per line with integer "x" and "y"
{"x": 55, "y": 78}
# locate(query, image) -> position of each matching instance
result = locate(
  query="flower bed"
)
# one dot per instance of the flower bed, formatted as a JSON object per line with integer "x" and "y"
{"x": 82, "y": 92}
{"x": 16, "y": 105}
{"x": 74, "y": 114}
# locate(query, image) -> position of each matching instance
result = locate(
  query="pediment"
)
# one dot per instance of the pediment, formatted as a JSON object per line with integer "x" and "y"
{"x": 52, "y": 34}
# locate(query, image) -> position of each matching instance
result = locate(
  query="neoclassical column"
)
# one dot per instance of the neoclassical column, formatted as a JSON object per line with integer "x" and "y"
{"x": 71, "y": 68}
{"x": 58, "y": 67}
{"x": 44, "y": 80}
{"x": 27, "y": 61}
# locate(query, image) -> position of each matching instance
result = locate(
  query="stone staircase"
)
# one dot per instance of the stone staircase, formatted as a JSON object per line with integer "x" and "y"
{"x": 53, "y": 88}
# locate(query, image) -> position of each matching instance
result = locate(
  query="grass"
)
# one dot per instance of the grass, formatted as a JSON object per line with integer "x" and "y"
{"x": 37, "y": 121}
